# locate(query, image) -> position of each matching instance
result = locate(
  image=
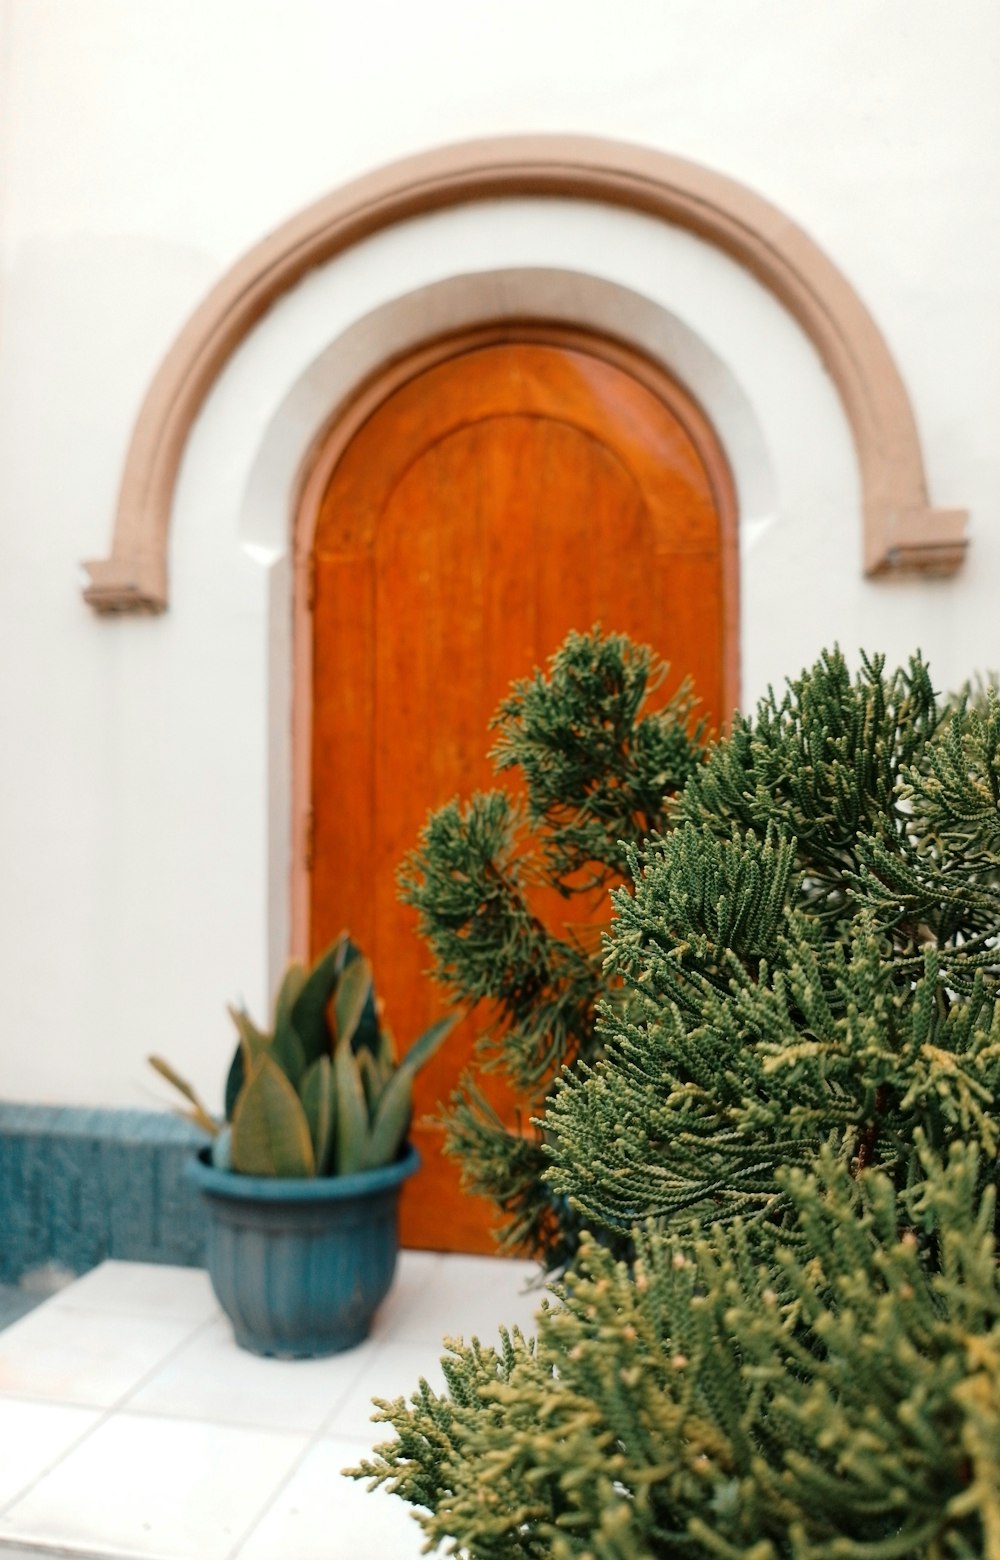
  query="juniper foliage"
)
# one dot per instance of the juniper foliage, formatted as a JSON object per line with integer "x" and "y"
{"x": 512, "y": 899}
{"x": 811, "y": 953}
{"x": 722, "y": 1398}
{"x": 797, "y": 1116}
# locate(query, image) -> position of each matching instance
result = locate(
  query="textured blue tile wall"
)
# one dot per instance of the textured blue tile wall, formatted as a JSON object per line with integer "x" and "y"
{"x": 77, "y": 1186}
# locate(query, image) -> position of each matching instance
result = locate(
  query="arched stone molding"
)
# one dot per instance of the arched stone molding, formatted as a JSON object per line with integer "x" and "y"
{"x": 901, "y": 530}
{"x": 277, "y": 480}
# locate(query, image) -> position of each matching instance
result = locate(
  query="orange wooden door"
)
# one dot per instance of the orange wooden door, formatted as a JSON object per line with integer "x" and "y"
{"x": 491, "y": 504}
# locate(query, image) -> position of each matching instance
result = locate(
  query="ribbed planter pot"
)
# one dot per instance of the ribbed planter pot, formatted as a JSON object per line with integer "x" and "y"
{"x": 300, "y": 1267}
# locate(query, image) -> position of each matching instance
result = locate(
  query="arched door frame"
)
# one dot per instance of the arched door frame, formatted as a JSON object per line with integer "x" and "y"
{"x": 900, "y": 528}
{"x": 349, "y": 418}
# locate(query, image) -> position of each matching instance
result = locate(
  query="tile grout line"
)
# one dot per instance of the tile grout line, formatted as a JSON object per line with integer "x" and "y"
{"x": 262, "y": 1510}
{"x": 59, "y": 1551}
{"x": 164, "y": 1360}
{"x": 318, "y": 1435}
{"x": 313, "y": 1441}
{"x": 103, "y": 1415}
{"x": 104, "y": 1412}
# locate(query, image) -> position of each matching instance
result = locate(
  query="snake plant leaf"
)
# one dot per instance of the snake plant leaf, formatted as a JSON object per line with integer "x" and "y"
{"x": 286, "y": 1046}
{"x": 255, "y": 1041}
{"x": 319, "y": 1101}
{"x": 386, "y": 1055}
{"x": 392, "y": 1118}
{"x": 423, "y": 1048}
{"x": 352, "y": 1110}
{"x": 308, "y": 1012}
{"x": 247, "y": 1030}
{"x": 371, "y": 1080}
{"x": 366, "y": 1036}
{"x": 292, "y": 983}
{"x": 234, "y": 1081}
{"x": 270, "y": 1130}
{"x": 198, "y": 1114}
{"x": 288, "y": 1051}
{"x": 352, "y": 996}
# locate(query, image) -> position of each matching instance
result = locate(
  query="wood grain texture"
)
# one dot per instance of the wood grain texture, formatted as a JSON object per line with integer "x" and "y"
{"x": 488, "y": 506}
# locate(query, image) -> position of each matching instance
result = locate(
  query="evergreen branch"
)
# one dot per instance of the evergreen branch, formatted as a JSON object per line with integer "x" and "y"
{"x": 721, "y": 1396}
{"x": 797, "y": 1046}
{"x": 596, "y": 768}
{"x": 596, "y": 764}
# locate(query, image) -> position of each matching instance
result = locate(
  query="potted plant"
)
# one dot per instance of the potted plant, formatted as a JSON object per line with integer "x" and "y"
{"x": 302, "y": 1179}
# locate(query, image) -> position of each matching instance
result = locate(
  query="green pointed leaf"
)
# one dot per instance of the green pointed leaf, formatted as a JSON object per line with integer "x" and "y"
{"x": 255, "y": 1041}
{"x": 292, "y": 984}
{"x": 372, "y": 1082}
{"x": 247, "y": 1030}
{"x": 350, "y": 999}
{"x": 289, "y": 1053}
{"x": 386, "y": 1056}
{"x": 366, "y": 1036}
{"x": 287, "y": 1047}
{"x": 308, "y": 1013}
{"x": 392, "y": 1115}
{"x": 392, "y": 1120}
{"x": 352, "y": 1111}
{"x": 319, "y": 1101}
{"x": 424, "y": 1047}
{"x": 234, "y": 1081}
{"x": 198, "y": 1114}
{"x": 270, "y": 1130}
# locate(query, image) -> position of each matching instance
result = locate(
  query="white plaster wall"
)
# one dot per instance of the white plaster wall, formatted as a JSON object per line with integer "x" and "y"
{"x": 143, "y": 147}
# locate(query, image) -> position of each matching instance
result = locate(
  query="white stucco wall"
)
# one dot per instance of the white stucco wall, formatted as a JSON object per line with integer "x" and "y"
{"x": 144, "y": 147}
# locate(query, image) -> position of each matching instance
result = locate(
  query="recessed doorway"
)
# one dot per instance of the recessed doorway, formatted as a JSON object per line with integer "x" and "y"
{"x": 477, "y": 503}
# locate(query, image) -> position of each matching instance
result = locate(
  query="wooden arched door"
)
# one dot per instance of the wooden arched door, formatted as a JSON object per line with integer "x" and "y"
{"x": 489, "y": 504}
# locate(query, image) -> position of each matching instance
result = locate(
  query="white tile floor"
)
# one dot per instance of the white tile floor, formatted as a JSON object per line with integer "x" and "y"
{"x": 132, "y": 1427}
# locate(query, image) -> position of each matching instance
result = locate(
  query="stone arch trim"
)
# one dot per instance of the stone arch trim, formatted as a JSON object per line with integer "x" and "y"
{"x": 901, "y": 529}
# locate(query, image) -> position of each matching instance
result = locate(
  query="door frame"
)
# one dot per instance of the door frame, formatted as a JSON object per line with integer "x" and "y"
{"x": 334, "y": 439}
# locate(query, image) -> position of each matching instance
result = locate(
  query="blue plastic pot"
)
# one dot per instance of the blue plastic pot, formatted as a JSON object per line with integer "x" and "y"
{"x": 300, "y": 1267}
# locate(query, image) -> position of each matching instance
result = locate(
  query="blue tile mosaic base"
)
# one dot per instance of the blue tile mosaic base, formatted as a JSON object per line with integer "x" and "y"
{"x": 78, "y": 1186}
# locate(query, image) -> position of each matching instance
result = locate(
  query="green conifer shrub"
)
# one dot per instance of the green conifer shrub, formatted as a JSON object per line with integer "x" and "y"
{"x": 597, "y": 767}
{"x": 723, "y": 1397}
{"x": 796, "y": 1116}
{"x": 812, "y": 953}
